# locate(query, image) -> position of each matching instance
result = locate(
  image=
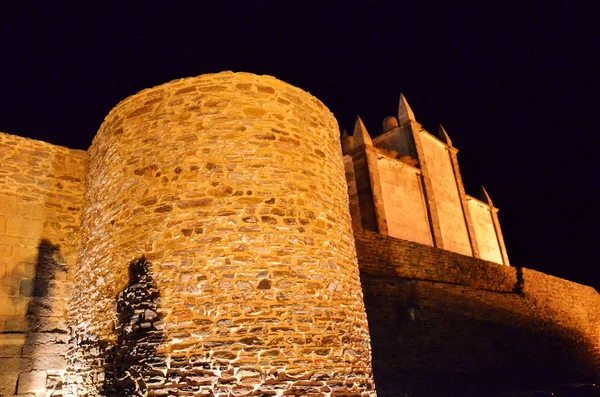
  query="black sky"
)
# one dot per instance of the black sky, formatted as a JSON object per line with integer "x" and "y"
{"x": 515, "y": 84}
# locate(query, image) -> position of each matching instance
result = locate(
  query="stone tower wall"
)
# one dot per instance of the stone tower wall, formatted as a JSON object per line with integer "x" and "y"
{"x": 41, "y": 195}
{"x": 217, "y": 250}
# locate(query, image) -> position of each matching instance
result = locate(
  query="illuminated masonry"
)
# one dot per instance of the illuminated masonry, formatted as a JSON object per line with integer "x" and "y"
{"x": 231, "y": 188}
{"x": 406, "y": 183}
{"x": 207, "y": 242}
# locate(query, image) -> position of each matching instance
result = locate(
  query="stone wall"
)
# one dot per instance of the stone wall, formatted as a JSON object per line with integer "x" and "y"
{"x": 406, "y": 183}
{"x": 403, "y": 200}
{"x": 383, "y": 256}
{"x": 447, "y": 324}
{"x": 485, "y": 233}
{"x": 445, "y": 192}
{"x": 216, "y": 257}
{"x": 397, "y": 140}
{"x": 41, "y": 193}
{"x": 217, "y": 252}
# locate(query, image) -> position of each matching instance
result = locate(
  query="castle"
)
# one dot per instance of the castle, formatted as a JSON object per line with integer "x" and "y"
{"x": 217, "y": 239}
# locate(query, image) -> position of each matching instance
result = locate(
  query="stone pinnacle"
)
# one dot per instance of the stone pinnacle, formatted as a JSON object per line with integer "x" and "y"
{"x": 484, "y": 196}
{"x": 443, "y": 135}
{"x": 405, "y": 113}
{"x": 361, "y": 135}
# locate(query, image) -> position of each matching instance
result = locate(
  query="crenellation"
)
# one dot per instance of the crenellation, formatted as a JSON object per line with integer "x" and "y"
{"x": 361, "y": 135}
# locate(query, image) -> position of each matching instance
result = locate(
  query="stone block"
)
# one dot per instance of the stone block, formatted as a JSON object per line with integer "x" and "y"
{"x": 23, "y": 228}
{"x": 10, "y": 240}
{"x": 46, "y": 338}
{"x": 47, "y": 324}
{"x": 33, "y": 211}
{"x": 2, "y": 224}
{"x": 26, "y": 287}
{"x": 54, "y": 362}
{"x": 15, "y": 365}
{"x": 10, "y": 205}
{"x": 54, "y": 381}
{"x": 32, "y": 382}
{"x": 11, "y": 351}
{"x": 43, "y": 288}
{"x": 12, "y": 339}
{"x": 9, "y": 286}
{"x": 8, "y": 382}
{"x": 9, "y": 373}
{"x": 15, "y": 324}
{"x": 60, "y": 289}
{"x": 37, "y": 350}
{"x": 24, "y": 254}
{"x": 47, "y": 307}
{"x": 13, "y": 306}
{"x": 5, "y": 248}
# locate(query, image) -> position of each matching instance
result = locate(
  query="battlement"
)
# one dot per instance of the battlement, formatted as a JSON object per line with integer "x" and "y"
{"x": 406, "y": 183}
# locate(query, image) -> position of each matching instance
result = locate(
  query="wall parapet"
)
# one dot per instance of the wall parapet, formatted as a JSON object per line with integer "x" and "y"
{"x": 467, "y": 325}
{"x": 384, "y": 255}
{"x": 552, "y": 300}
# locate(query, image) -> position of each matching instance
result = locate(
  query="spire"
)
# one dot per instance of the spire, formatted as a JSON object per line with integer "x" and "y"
{"x": 443, "y": 135}
{"x": 361, "y": 135}
{"x": 347, "y": 142}
{"x": 484, "y": 196}
{"x": 405, "y": 113}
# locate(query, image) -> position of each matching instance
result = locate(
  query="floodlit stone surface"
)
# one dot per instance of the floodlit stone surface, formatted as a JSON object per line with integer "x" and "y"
{"x": 450, "y": 214}
{"x": 41, "y": 195}
{"x": 230, "y": 187}
{"x": 32, "y": 382}
{"x": 405, "y": 207}
{"x": 484, "y": 230}
{"x": 216, "y": 257}
{"x": 477, "y": 327}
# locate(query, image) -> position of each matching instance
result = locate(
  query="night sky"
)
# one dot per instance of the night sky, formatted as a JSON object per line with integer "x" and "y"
{"x": 515, "y": 84}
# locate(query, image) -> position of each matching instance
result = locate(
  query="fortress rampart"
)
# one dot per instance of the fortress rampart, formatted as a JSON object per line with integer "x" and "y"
{"x": 446, "y": 324}
{"x": 207, "y": 244}
{"x": 41, "y": 196}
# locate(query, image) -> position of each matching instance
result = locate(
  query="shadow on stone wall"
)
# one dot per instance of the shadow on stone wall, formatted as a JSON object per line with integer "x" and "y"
{"x": 128, "y": 363}
{"x": 44, "y": 350}
{"x": 429, "y": 344}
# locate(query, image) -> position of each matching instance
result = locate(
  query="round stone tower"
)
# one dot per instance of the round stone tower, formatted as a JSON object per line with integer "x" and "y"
{"x": 217, "y": 252}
